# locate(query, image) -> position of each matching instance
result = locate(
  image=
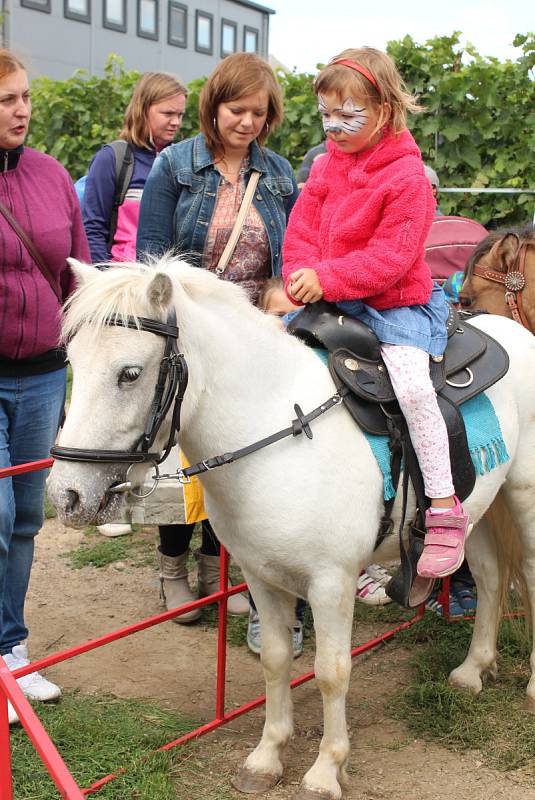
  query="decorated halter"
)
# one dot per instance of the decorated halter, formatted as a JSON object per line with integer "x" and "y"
{"x": 514, "y": 281}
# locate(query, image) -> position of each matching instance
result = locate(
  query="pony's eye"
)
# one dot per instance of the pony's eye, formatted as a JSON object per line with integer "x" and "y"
{"x": 465, "y": 301}
{"x": 129, "y": 374}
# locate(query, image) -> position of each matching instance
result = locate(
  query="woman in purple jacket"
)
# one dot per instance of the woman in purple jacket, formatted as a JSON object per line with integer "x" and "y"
{"x": 32, "y": 366}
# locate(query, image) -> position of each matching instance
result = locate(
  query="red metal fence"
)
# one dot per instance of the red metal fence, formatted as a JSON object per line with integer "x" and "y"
{"x": 57, "y": 769}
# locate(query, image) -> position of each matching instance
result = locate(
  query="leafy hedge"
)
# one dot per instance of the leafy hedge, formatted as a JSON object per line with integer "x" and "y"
{"x": 477, "y": 128}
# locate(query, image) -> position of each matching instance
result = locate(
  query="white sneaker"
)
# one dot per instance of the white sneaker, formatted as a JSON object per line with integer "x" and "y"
{"x": 11, "y": 714}
{"x": 254, "y": 635}
{"x": 254, "y": 640}
{"x": 297, "y": 638}
{"x": 115, "y": 529}
{"x": 371, "y": 586}
{"x": 34, "y": 685}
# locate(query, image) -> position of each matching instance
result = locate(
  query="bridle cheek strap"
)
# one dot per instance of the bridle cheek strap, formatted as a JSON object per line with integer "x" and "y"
{"x": 171, "y": 385}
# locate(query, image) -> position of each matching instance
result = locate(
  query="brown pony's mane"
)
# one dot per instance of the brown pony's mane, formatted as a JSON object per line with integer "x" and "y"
{"x": 524, "y": 233}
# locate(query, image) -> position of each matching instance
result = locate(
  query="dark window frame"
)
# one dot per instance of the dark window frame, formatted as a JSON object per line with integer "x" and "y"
{"x": 248, "y": 29}
{"x": 233, "y": 25}
{"x": 170, "y": 39}
{"x": 76, "y": 15}
{"x": 210, "y": 17}
{"x": 145, "y": 34}
{"x": 114, "y": 26}
{"x": 35, "y": 6}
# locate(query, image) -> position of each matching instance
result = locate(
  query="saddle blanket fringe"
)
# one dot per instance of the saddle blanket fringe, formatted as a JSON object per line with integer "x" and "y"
{"x": 483, "y": 432}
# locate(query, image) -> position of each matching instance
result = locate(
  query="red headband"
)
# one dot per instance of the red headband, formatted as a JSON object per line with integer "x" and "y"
{"x": 353, "y": 65}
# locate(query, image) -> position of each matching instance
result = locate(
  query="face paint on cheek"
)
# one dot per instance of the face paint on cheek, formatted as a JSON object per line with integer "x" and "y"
{"x": 347, "y": 118}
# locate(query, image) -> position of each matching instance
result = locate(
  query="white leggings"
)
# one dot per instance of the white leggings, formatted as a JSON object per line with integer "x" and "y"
{"x": 408, "y": 368}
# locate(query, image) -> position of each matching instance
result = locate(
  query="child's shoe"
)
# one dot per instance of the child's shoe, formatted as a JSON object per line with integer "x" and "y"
{"x": 444, "y": 542}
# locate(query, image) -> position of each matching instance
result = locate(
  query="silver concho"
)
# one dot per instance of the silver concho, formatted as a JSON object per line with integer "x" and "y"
{"x": 515, "y": 281}
{"x": 351, "y": 364}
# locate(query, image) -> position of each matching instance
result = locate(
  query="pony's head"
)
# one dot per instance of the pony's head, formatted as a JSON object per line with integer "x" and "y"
{"x": 115, "y": 373}
{"x": 498, "y": 253}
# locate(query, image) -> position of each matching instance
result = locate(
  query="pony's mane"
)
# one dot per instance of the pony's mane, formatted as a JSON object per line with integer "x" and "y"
{"x": 121, "y": 289}
{"x": 524, "y": 233}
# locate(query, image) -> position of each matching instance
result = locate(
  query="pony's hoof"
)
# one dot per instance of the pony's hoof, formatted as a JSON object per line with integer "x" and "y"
{"x": 465, "y": 682}
{"x": 304, "y": 793}
{"x": 250, "y": 782}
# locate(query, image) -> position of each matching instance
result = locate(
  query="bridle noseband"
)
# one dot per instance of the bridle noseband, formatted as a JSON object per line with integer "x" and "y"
{"x": 171, "y": 385}
{"x": 514, "y": 281}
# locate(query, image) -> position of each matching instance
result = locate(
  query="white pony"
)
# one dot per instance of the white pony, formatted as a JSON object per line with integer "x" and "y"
{"x": 301, "y": 516}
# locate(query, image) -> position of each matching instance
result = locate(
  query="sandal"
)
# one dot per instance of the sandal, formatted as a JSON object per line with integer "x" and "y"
{"x": 444, "y": 542}
{"x": 454, "y": 611}
{"x": 465, "y": 594}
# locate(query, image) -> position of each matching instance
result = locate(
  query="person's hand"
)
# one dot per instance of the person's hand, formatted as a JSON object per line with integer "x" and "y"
{"x": 304, "y": 285}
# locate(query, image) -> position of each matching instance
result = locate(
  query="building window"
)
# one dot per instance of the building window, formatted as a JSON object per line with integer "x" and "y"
{"x": 204, "y": 32}
{"x": 38, "y": 5}
{"x": 250, "y": 40}
{"x": 147, "y": 19}
{"x": 177, "y": 24}
{"x": 229, "y": 37}
{"x": 114, "y": 15}
{"x": 77, "y": 9}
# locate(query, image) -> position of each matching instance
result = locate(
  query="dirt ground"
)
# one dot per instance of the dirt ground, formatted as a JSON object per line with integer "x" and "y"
{"x": 175, "y": 666}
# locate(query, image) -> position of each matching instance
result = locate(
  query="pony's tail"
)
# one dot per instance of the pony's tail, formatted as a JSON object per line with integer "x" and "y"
{"x": 509, "y": 552}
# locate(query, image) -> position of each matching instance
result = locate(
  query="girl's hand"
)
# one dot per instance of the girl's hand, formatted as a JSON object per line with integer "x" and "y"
{"x": 304, "y": 285}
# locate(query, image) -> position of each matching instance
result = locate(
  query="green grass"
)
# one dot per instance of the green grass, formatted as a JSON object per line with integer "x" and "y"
{"x": 100, "y": 735}
{"x": 136, "y": 549}
{"x": 494, "y": 722}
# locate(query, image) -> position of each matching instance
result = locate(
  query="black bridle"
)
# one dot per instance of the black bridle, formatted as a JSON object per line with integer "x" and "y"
{"x": 171, "y": 385}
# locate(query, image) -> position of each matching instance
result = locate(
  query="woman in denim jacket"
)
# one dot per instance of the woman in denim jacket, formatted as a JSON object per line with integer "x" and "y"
{"x": 190, "y": 204}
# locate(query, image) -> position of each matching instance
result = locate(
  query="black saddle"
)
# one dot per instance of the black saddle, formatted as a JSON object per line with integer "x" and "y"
{"x": 473, "y": 361}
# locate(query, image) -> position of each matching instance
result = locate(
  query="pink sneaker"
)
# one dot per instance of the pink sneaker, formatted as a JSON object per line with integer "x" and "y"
{"x": 444, "y": 542}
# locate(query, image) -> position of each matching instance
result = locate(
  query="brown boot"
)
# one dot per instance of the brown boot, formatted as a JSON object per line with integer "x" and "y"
{"x": 208, "y": 580}
{"x": 174, "y": 586}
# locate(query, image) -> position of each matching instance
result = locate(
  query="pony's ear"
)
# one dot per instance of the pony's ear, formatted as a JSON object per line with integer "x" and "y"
{"x": 160, "y": 291}
{"x": 82, "y": 272}
{"x": 503, "y": 252}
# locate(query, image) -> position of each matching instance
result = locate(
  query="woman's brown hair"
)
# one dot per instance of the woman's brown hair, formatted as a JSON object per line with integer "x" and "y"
{"x": 237, "y": 76}
{"x": 390, "y": 95}
{"x": 9, "y": 63}
{"x": 152, "y": 87}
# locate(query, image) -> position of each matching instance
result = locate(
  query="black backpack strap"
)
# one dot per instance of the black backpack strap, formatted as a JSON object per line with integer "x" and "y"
{"x": 124, "y": 168}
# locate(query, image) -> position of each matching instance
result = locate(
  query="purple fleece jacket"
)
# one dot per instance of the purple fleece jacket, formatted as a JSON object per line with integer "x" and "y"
{"x": 39, "y": 193}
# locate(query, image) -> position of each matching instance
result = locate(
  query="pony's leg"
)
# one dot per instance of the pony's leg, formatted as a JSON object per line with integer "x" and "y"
{"x": 519, "y": 495}
{"x": 482, "y": 557}
{"x": 263, "y": 768}
{"x": 332, "y": 607}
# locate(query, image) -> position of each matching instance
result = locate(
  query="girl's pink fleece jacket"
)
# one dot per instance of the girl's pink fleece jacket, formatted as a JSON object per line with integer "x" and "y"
{"x": 361, "y": 222}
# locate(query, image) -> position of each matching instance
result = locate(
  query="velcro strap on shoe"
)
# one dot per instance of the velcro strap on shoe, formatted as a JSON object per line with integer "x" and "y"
{"x": 442, "y": 539}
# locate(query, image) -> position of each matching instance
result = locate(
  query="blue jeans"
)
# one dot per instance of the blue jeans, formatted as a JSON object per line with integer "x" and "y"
{"x": 31, "y": 408}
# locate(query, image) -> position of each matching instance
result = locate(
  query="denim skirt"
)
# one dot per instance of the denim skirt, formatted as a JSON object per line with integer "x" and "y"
{"x": 422, "y": 326}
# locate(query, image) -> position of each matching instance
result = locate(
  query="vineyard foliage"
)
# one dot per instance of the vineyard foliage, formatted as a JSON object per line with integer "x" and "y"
{"x": 477, "y": 127}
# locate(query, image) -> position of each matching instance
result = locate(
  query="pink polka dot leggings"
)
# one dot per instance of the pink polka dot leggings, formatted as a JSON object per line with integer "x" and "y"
{"x": 408, "y": 368}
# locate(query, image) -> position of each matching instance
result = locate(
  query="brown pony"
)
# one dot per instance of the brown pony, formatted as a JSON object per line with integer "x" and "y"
{"x": 500, "y": 276}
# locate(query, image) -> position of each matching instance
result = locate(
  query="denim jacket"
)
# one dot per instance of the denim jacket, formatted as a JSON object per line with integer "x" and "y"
{"x": 179, "y": 199}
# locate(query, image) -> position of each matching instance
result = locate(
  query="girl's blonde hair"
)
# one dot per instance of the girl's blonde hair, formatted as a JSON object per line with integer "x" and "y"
{"x": 342, "y": 80}
{"x": 9, "y": 63}
{"x": 152, "y": 87}
{"x": 237, "y": 76}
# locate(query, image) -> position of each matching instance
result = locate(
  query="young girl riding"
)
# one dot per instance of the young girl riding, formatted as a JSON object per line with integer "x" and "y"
{"x": 356, "y": 238}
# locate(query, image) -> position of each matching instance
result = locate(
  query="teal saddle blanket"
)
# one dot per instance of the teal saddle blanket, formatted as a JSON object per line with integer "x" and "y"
{"x": 483, "y": 432}
{"x": 485, "y": 441}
